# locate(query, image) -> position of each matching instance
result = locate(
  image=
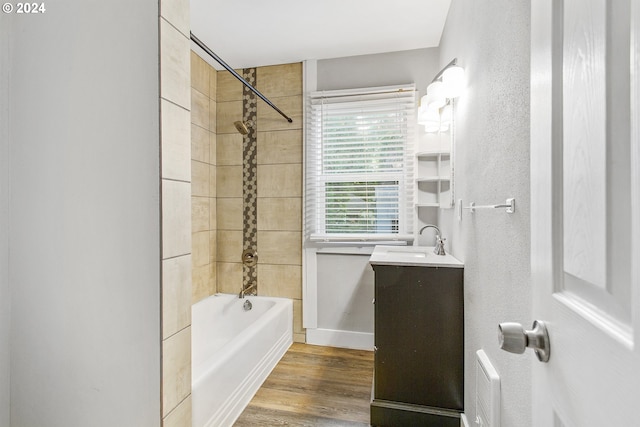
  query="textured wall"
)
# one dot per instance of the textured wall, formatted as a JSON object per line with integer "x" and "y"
{"x": 4, "y": 220}
{"x": 353, "y": 311}
{"x": 393, "y": 68}
{"x": 491, "y": 41}
{"x": 85, "y": 215}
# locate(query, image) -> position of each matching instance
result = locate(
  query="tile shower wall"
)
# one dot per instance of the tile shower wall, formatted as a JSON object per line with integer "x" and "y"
{"x": 203, "y": 178}
{"x": 277, "y": 168}
{"x": 175, "y": 106}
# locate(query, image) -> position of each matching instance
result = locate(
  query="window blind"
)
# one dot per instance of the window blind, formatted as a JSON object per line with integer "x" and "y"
{"x": 359, "y": 164}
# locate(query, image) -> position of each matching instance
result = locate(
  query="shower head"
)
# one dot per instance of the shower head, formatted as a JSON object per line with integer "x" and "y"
{"x": 242, "y": 127}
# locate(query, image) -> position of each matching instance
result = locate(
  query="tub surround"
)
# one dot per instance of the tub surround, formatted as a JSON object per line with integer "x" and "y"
{"x": 249, "y": 180}
{"x": 176, "y": 171}
{"x": 259, "y": 185}
{"x": 203, "y": 178}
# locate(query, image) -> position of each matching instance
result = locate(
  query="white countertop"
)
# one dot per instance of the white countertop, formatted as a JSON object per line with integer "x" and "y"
{"x": 418, "y": 256}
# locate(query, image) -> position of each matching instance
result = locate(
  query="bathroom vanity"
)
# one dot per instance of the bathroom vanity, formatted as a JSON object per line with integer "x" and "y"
{"x": 419, "y": 338}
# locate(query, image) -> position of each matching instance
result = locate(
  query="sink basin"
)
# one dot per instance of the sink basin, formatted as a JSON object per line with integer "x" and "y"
{"x": 412, "y": 256}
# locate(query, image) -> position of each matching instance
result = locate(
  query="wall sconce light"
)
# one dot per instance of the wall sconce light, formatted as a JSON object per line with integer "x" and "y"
{"x": 435, "y": 112}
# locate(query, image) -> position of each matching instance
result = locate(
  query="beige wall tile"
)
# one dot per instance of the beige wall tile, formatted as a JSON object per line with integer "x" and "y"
{"x": 229, "y": 246}
{"x": 227, "y": 113}
{"x": 213, "y": 143}
{"x": 176, "y": 369}
{"x": 269, "y": 119}
{"x": 280, "y": 80}
{"x": 213, "y": 246}
{"x": 229, "y": 149}
{"x": 180, "y": 416}
{"x": 213, "y": 83}
{"x": 177, "y": 13}
{"x": 280, "y": 180}
{"x": 229, "y": 88}
{"x": 213, "y": 178}
{"x": 199, "y": 74}
{"x": 284, "y": 214}
{"x": 213, "y": 122}
{"x": 176, "y": 142}
{"x": 213, "y": 283}
{"x": 176, "y": 208}
{"x": 229, "y": 181}
{"x": 200, "y": 248}
{"x": 199, "y": 179}
{"x": 279, "y": 247}
{"x": 213, "y": 219}
{"x": 199, "y": 214}
{"x": 280, "y": 147}
{"x": 176, "y": 294}
{"x": 175, "y": 64}
{"x": 199, "y": 109}
{"x": 200, "y": 143}
{"x": 280, "y": 280}
{"x": 300, "y": 338}
{"x": 297, "y": 316}
{"x": 201, "y": 286}
{"x": 229, "y": 213}
{"x": 229, "y": 277}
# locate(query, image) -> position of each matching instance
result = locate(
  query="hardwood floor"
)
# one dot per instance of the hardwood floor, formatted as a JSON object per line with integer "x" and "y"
{"x": 314, "y": 386}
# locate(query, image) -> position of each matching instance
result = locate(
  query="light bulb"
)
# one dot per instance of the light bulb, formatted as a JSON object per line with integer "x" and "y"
{"x": 436, "y": 95}
{"x": 453, "y": 81}
{"x": 431, "y": 127}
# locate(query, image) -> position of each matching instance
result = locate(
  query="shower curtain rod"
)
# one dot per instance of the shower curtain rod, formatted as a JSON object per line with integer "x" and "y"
{"x": 237, "y": 76}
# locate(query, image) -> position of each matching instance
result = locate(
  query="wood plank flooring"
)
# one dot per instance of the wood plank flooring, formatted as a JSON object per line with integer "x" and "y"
{"x": 314, "y": 386}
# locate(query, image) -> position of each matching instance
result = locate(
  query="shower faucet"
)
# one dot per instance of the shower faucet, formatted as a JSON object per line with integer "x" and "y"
{"x": 244, "y": 290}
{"x": 439, "y": 248}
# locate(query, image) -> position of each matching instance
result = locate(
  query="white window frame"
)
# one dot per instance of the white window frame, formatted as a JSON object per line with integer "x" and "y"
{"x": 314, "y": 179}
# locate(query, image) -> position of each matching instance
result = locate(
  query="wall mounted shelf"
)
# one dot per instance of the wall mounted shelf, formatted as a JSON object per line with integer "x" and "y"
{"x": 427, "y": 154}
{"x": 433, "y": 178}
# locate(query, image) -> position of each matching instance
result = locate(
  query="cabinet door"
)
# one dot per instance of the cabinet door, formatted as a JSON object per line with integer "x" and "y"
{"x": 419, "y": 336}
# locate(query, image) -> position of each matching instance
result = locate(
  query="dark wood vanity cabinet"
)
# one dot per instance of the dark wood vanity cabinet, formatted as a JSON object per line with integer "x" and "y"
{"x": 419, "y": 342}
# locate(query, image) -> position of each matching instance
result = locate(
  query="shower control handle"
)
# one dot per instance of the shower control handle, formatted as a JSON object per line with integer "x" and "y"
{"x": 514, "y": 339}
{"x": 249, "y": 257}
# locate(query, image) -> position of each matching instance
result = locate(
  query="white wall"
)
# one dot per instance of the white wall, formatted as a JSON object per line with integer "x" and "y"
{"x": 417, "y": 66}
{"x": 4, "y": 220}
{"x": 491, "y": 39}
{"x": 340, "y": 307}
{"x": 84, "y": 209}
{"x": 344, "y": 300}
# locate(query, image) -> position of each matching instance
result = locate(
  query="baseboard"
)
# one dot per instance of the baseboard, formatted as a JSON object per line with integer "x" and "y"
{"x": 386, "y": 413}
{"x": 343, "y": 339}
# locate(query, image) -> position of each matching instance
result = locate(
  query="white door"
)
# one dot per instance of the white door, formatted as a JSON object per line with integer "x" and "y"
{"x": 585, "y": 215}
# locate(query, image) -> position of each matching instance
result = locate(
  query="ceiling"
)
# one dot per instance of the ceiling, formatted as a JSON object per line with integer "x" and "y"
{"x": 251, "y": 33}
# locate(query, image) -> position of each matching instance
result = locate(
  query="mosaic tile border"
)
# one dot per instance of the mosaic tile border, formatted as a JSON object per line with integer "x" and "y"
{"x": 250, "y": 178}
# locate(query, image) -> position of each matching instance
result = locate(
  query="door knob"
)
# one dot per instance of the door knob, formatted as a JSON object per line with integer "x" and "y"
{"x": 514, "y": 339}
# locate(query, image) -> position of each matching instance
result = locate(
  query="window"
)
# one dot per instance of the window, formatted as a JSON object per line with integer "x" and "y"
{"x": 359, "y": 164}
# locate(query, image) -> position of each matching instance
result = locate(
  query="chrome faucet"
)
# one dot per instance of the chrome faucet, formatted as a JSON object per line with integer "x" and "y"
{"x": 439, "y": 248}
{"x": 244, "y": 290}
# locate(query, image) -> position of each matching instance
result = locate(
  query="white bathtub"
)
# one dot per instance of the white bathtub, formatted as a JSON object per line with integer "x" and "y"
{"x": 232, "y": 353}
